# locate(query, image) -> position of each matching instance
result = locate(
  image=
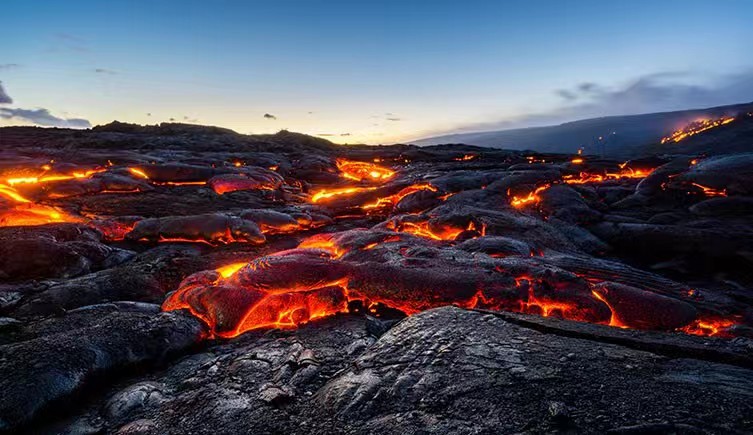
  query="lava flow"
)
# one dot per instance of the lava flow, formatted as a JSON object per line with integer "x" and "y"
{"x": 23, "y": 212}
{"x": 532, "y": 197}
{"x": 696, "y": 127}
{"x": 326, "y": 272}
{"x": 359, "y": 171}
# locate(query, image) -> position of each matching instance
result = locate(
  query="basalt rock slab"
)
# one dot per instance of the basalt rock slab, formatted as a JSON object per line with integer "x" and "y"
{"x": 44, "y": 368}
{"x": 54, "y": 251}
{"x": 463, "y": 372}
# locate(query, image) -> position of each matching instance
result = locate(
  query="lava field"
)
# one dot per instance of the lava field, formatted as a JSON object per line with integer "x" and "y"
{"x": 184, "y": 279}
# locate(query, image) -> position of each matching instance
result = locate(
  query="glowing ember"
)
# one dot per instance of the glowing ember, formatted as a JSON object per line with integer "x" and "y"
{"x": 358, "y": 171}
{"x": 696, "y": 127}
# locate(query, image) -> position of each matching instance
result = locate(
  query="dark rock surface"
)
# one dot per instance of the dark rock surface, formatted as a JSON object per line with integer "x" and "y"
{"x": 445, "y": 370}
{"x": 189, "y": 279}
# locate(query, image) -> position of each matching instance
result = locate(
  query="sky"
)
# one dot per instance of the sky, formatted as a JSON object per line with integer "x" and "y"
{"x": 368, "y": 71}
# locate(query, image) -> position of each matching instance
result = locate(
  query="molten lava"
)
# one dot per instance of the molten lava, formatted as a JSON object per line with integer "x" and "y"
{"x": 585, "y": 177}
{"x": 710, "y": 191}
{"x": 24, "y": 212}
{"x": 359, "y": 171}
{"x": 465, "y": 158}
{"x": 392, "y": 200}
{"x": 44, "y": 177}
{"x": 532, "y": 197}
{"x": 423, "y": 229}
{"x": 696, "y": 127}
{"x": 714, "y": 327}
{"x": 327, "y": 194}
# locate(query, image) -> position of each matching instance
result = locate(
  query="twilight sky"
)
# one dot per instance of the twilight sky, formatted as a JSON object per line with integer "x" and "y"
{"x": 368, "y": 71}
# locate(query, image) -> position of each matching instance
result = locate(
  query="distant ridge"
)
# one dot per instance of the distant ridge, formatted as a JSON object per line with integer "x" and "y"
{"x": 631, "y": 132}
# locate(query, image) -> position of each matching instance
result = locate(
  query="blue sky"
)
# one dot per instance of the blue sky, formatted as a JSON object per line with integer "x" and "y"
{"x": 375, "y": 72}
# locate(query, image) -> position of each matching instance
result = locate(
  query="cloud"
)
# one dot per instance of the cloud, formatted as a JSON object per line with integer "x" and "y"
{"x": 269, "y": 116}
{"x": 566, "y": 94}
{"x": 660, "y": 92}
{"x": 43, "y": 117}
{"x": 9, "y": 66}
{"x": 4, "y": 97}
{"x": 333, "y": 134}
{"x": 105, "y": 71}
{"x": 394, "y": 119}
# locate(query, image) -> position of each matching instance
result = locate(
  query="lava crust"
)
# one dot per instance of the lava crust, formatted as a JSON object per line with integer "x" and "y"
{"x": 174, "y": 279}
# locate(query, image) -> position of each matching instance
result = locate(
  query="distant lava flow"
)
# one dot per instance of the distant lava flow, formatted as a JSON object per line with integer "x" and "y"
{"x": 696, "y": 127}
{"x": 328, "y": 272}
{"x": 625, "y": 171}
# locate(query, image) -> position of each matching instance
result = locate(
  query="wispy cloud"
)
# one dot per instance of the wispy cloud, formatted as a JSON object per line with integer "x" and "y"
{"x": 42, "y": 117}
{"x": 4, "y": 97}
{"x": 105, "y": 71}
{"x": 6, "y": 66}
{"x": 659, "y": 92}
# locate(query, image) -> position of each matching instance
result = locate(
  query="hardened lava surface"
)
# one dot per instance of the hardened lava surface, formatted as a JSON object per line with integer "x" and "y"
{"x": 188, "y": 279}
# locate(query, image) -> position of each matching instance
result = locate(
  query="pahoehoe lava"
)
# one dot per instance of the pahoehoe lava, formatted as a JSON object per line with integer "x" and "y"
{"x": 173, "y": 279}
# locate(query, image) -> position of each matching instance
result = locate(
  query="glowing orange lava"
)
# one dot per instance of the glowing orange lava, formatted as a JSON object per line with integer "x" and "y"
{"x": 42, "y": 178}
{"x": 532, "y": 197}
{"x": 709, "y": 327}
{"x": 465, "y": 158}
{"x": 26, "y": 213}
{"x": 696, "y": 127}
{"x": 392, "y": 200}
{"x": 710, "y": 191}
{"x": 358, "y": 171}
{"x": 625, "y": 171}
{"x": 327, "y": 194}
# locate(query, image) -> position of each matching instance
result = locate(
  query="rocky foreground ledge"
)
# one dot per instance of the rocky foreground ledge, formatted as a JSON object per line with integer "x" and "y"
{"x": 446, "y": 370}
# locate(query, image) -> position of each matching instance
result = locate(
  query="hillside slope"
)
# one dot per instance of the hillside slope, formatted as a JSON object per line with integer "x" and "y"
{"x": 621, "y": 135}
